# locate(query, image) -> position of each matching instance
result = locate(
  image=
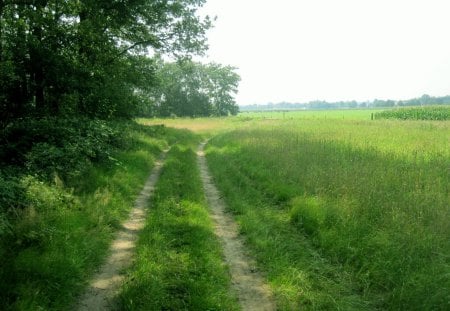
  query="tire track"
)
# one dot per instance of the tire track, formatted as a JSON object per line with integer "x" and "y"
{"x": 106, "y": 283}
{"x": 250, "y": 287}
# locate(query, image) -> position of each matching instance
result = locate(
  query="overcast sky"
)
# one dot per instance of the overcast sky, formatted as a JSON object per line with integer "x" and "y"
{"x": 302, "y": 50}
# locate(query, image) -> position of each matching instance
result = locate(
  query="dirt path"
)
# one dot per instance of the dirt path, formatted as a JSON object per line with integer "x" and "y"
{"x": 250, "y": 287}
{"x": 107, "y": 281}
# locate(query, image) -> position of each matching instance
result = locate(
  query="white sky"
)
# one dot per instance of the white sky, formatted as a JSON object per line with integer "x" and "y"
{"x": 302, "y": 50}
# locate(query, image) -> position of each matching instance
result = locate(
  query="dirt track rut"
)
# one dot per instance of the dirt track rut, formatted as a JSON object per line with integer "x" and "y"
{"x": 107, "y": 281}
{"x": 252, "y": 291}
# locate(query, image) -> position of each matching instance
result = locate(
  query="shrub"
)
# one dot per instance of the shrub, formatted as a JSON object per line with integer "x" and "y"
{"x": 54, "y": 146}
{"x": 11, "y": 197}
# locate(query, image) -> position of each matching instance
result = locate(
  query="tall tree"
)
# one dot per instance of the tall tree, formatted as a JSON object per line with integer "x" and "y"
{"x": 223, "y": 82}
{"x": 75, "y": 56}
{"x": 188, "y": 88}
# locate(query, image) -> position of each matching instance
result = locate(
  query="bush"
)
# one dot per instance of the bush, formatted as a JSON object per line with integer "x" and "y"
{"x": 51, "y": 147}
{"x": 11, "y": 197}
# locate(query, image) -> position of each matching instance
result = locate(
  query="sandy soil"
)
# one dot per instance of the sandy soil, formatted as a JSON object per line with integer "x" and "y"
{"x": 250, "y": 286}
{"x": 107, "y": 281}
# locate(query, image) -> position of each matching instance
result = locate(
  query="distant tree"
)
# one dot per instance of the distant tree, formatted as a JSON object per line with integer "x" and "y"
{"x": 188, "y": 88}
{"x": 425, "y": 99}
{"x": 222, "y": 83}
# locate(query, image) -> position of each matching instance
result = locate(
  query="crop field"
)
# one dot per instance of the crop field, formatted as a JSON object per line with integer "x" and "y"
{"x": 340, "y": 211}
{"x": 438, "y": 113}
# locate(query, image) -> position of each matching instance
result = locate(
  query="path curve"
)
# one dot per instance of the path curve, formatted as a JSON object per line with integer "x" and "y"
{"x": 107, "y": 281}
{"x": 253, "y": 293}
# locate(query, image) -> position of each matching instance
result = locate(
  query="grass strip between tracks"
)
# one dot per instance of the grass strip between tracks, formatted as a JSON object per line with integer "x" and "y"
{"x": 178, "y": 263}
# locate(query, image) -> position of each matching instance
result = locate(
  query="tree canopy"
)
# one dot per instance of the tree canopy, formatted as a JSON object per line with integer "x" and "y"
{"x": 88, "y": 57}
{"x": 188, "y": 88}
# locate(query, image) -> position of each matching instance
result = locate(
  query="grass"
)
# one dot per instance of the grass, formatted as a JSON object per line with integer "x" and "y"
{"x": 343, "y": 214}
{"x": 63, "y": 232}
{"x": 301, "y": 278}
{"x": 201, "y": 126}
{"x": 213, "y": 126}
{"x": 178, "y": 264}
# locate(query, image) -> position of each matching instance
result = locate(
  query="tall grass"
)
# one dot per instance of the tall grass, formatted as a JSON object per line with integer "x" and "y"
{"x": 370, "y": 197}
{"x": 62, "y": 231}
{"x": 178, "y": 263}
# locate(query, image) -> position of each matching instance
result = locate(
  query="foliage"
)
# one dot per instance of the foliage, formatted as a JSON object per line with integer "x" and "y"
{"x": 187, "y": 88}
{"x": 437, "y": 113}
{"x": 50, "y": 150}
{"x": 56, "y": 146}
{"x": 85, "y": 57}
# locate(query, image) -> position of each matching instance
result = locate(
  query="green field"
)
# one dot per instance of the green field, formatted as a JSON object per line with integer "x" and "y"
{"x": 357, "y": 114}
{"x": 341, "y": 212}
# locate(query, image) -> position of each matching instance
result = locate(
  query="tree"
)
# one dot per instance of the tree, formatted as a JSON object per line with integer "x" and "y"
{"x": 77, "y": 56}
{"x": 188, "y": 88}
{"x": 223, "y": 83}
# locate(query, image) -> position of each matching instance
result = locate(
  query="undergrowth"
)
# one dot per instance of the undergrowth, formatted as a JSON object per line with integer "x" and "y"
{"x": 178, "y": 264}
{"x": 65, "y": 187}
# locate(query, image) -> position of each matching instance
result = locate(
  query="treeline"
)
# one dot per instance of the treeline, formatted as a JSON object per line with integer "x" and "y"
{"x": 187, "y": 88}
{"x": 90, "y": 57}
{"x": 424, "y": 100}
{"x": 67, "y": 66}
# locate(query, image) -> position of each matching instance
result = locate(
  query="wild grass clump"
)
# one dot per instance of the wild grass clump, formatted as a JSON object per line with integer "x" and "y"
{"x": 375, "y": 205}
{"x": 57, "y": 220}
{"x": 178, "y": 264}
{"x": 436, "y": 113}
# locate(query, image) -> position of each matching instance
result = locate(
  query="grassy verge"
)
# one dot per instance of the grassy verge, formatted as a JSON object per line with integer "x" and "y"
{"x": 62, "y": 231}
{"x": 178, "y": 263}
{"x": 340, "y": 220}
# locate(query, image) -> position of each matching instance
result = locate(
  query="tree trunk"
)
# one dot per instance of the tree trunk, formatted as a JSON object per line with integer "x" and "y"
{"x": 2, "y": 6}
{"x": 37, "y": 65}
